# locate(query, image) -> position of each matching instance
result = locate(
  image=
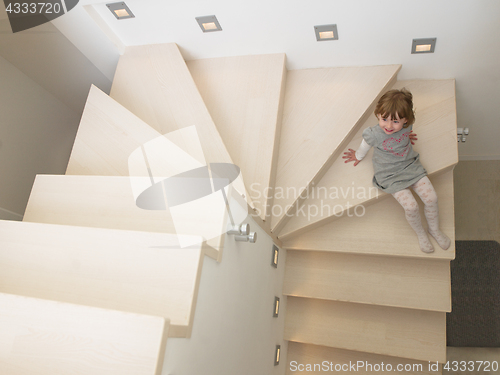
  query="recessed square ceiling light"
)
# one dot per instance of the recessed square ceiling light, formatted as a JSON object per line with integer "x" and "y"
{"x": 326, "y": 32}
{"x": 423, "y": 45}
{"x": 208, "y": 23}
{"x": 120, "y": 10}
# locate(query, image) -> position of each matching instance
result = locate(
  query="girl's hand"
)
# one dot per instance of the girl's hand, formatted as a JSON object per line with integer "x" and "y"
{"x": 351, "y": 156}
{"x": 413, "y": 137}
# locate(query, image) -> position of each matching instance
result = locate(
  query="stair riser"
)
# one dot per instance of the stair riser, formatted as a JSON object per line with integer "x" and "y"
{"x": 137, "y": 272}
{"x": 382, "y": 330}
{"x": 380, "y": 280}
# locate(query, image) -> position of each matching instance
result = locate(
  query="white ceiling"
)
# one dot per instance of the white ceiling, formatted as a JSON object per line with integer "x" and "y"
{"x": 371, "y": 32}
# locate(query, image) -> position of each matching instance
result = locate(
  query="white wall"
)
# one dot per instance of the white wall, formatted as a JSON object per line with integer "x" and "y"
{"x": 36, "y": 136}
{"x": 234, "y": 332}
{"x": 48, "y": 58}
{"x": 370, "y": 33}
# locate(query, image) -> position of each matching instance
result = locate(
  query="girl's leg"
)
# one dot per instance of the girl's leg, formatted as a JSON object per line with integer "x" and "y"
{"x": 426, "y": 192}
{"x": 406, "y": 199}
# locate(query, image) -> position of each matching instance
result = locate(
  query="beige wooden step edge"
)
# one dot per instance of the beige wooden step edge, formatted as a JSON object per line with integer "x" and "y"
{"x": 415, "y": 283}
{"x": 107, "y": 134}
{"x": 315, "y": 359}
{"x": 48, "y": 337}
{"x": 315, "y": 132}
{"x": 154, "y": 83}
{"x": 392, "y": 331}
{"x": 344, "y": 186}
{"x": 381, "y": 228}
{"x": 111, "y": 141}
{"x": 245, "y": 95}
{"x": 109, "y": 202}
{"x": 137, "y": 272}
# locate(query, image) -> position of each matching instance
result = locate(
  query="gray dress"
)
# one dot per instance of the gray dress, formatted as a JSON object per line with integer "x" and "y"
{"x": 396, "y": 166}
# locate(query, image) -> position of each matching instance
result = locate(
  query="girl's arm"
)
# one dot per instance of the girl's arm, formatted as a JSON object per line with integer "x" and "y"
{"x": 357, "y": 156}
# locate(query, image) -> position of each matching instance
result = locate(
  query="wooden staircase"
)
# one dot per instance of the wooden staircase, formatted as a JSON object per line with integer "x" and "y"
{"x": 359, "y": 288}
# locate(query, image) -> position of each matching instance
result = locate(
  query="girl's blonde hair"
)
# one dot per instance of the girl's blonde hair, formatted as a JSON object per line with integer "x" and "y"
{"x": 396, "y": 102}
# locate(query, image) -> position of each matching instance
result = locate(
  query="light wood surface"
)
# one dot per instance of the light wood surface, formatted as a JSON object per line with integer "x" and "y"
{"x": 380, "y": 280}
{"x": 369, "y": 363}
{"x": 244, "y": 96}
{"x": 48, "y": 337}
{"x": 392, "y": 331}
{"x": 108, "y": 202}
{"x": 92, "y": 201}
{"x": 383, "y": 229}
{"x": 107, "y": 135}
{"x": 346, "y": 186}
{"x": 322, "y": 108}
{"x": 154, "y": 83}
{"x": 111, "y": 254}
{"x": 111, "y": 141}
{"x": 138, "y": 272}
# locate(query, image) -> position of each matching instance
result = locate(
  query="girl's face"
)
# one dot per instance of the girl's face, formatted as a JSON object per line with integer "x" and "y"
{"x": 390, "y": 126}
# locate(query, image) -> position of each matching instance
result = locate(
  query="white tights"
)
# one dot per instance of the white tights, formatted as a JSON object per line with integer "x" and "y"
{"x": 427, "y": 194}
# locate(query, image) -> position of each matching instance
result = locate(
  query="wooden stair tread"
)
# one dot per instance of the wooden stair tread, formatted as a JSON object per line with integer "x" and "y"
{"x": 244, "y": 96}
{"x": 390, "y": 281}
{"x": 108, "y": 202}
{"x": 321, "y": 109}
{"x": 392, "y": 331}
{"x": 92, "y": 201}
{"x": 305, "y": 354}
{"x": 108, "y": 133}
{"x": 138, "y": 272}
{"x": 154, "y": 83}
{"x": 369, "y": 233}
{"x": 112, "y": 141}
{"x": 348, "y": 186}
{"x": 48, "y": 337}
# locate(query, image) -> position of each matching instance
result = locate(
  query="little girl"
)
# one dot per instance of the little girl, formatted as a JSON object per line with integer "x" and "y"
{"x": 397, "y": 166}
